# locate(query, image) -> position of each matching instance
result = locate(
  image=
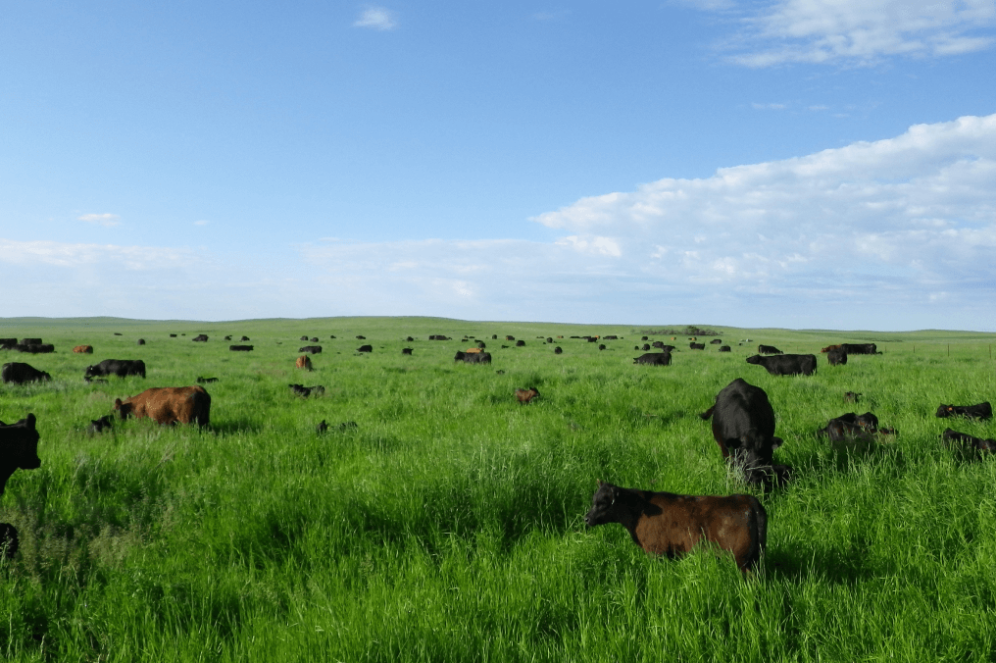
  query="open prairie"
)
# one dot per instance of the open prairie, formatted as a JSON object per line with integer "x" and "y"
{"x": 438, "y": 519}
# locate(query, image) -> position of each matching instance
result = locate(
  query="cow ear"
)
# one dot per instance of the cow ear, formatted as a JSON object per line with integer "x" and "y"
{"x": 117, "y": 403}
{"x": 31, "y": 421}
{"x": 776, "y": 442}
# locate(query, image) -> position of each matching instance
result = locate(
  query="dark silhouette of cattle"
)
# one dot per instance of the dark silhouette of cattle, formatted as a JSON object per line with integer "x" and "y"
{"x": 304, "y": 392}
{"x": 981, "y": 411}
{"x": 558, "y": 350}
{"x": 20, "y": 373}
{"x": 409, "y": 340}
{"x": 837, "y": 357}
{"x": 172, "y": 335}
{"x": 311, "y": 349}
{"x": 119, "y": 367}
{"x": 743, "y": 425}
{"x": 724, "y": 348}
{"x": 246, "y": 338}
{"x": 200, "y": 338}
{"x": 473, "y": 357}
{"x": 304, "y": 338}
{"x": 654, "y": 359}
{"x": 18, "y": 448}
{"x": 321, "y": 427}
{"x": 591, "y": 339}
{"x": 520, "y": 344}
{"x": 358, "y": 338}
{"x": 851, "y": 397}
{"x": 601, "y": 346}
{"x": 7, "y": 343}
{"x": 671, "y": 525}
{"x": 228, "y": 338}
{"x": 304, "y": 361}
{"x": 100, "y": 425}
{"x": 9, "y": 541}
{"x": 509, "y": 338}
{"x": 850, "y": 426}
{"x": 768, "y": 350}
{"x": 716, "y": 341}
{"x": 206, "y": 380}
{"x": 168, "y": 405}
{"x": 697, "y": 346}
{"x": 526, "y": 395}
{"x": 35, "y": 348}
{"x": 859, "y": 348}
{"x": 240, "y": 348}
{"x": 439, "y": 337}
{"x": 31, "y": 341}
{"x": 786, "y": 364}
{"x": 967, "y": 443}
{"x": 406, "y": 351}
{"x": 549, "y": 339}
{"x": 645, "y": 348}
{"x": 83, "y": 349}
{"x": 119, "y": 334}
{"x": 830, "y": 347}
{"x": 481, "y": 344}
{"x": 365, "y": 348}
{"x": 610, "y": 337}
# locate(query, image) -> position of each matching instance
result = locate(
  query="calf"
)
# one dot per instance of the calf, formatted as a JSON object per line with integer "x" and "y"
{"x": 670, "y": 524}
{"x": 526, "y": 395}
{"x": 786, "y": 364}
{"x": 837, "y": 357}
{"x": 654, "y": 359}
{"x": 18, "y": 448}
{"x": 850, "y": 426}
{"x": 981, "y": 411}
{"x": 120, "y": 367}
{"x": 19, "y": 373}
{"x": 100, "y": 425}
{"x": 520, "y": 343}
{"x": 966, "y": 442}
{"x": 83, "y": 349}
{"x": 768, "y": 350}
{"x": 304, "y": 392}
{"x": 851, "y": 397}
{"x": 365, "y": 348}
{"x": 304, "y": 361}
{"x": 312, "y": 349}
{"x": 168, "y": 405}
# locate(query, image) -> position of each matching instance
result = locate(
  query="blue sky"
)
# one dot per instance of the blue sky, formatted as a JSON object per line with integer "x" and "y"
{"x": 793, "y": 163}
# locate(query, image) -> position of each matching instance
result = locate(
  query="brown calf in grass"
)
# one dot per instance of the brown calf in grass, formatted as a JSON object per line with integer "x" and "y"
{"x": 168, "y": 405}
{"x": 303, "y": 362}
{"x": 83, "y": 349}
{"x": 669, "y": 524}
{"x": 526, "y": 395}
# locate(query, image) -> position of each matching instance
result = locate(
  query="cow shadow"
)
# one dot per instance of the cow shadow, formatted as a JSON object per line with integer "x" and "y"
{"x": 833, "y": 566}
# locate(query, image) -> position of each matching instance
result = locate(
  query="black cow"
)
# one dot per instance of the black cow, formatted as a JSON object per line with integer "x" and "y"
{"x": 200, "y": 338}
{"x": 473, "y": 357}
{"x": 850, "y": 426}
{"x": 7, "y": 343}
{"x": 768, "y": 350}
{"x": 172, "y": 335}
{"x": 100, "y": 425}
{"x": 440, "y": 337}
{"x": 697, "y": 346}
{"x": 859, "y": 348}
{"x": 724, "y": 348}
{"x": 406, "y": 351}
{"x": 304, "y": 338}
{"x": 8, "y": 540}
{"x": 743, "y": 425}
{"x": 246, "y": 338}
{"x": 786, "y": 364}
{"x": 645, "y": 348}
{"x": 303, "y": 391}
{"x": 654, "y": 359}
{"x": 18, "y": 448}
{"x": 480, "y": 344}
{"x": 407, "y": 340}
{"x": 365, "y": 348}
{"x": 140, "y": 341}
{"x": 558, "y": 350}
{"x": 31, "y": 341}
{"x": 851, "y": 397}
{"x": 119, "y": 367}
{"x": 228, "y": 338}
{"x": 240, "y": 348}
{"x": 358, "y": 338}
{"x": 601, "y": 346}
{"x": 313, "y": 349}
{"x": 35, "y": 348}
{"x": 965, "y": 442}
{"x": 716, "y": 341}
{"x": 520, "y": 343}
{"x": 837, "y": 357}
{"x": 19, "y": 373}
{"x": 981, "y": 411}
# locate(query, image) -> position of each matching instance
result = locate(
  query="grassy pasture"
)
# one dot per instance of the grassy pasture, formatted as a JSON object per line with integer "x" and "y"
{"x": 447, "y": 525}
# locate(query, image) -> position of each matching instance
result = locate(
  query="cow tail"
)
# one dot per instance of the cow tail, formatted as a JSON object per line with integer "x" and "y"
{"x": 708, "y": 413}
{"x": 757, "y": 522}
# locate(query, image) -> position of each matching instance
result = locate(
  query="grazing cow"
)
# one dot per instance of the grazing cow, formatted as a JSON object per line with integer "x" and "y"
{"x": 697, "y": 346}
{"x": 859, "y": 348}
{"x": 172, "y": 335}
{"x": 851, "y": 397}
{"x": 526, "y": 395}
{"x": 246, "y": 338}
{"x": 304, "y": 361}
{"x": 409, "y": 340}
{"x": 365, "y": 348}
{"x": 332, "y": 336}
{"x": 304, "y": 338}
{"x": 520, "y": 344}
{"x": 140, "y": 341}
{"x": 716, "y": 341}
{"x": 240, "y": 348}
{"x": 35, "y": 348}
{"x": 670, "y": 524}
{"x": 830, "y": 347}
{"x": 303, "y": 391}
{"x": 786, "y": 364}
{"x": 228, "y": 338}
{"x": 31, "y": 341}
{"x": 768, "y": 350}
{"x": 549, "y": 339}
{"x": 558, "y": 350}
{"x": 601, "y": 346}
{"x": 200, "y": 338}
{"x": 644, "y": 338}
{"x": 966, "y": 442}
{"x": 406, "y": 351}
{"x": 981, "y": 411}
{"x": 658, "y": 344}
{"x": 591, "y": 339}
{"x": 83, "y": 349}
{"x": 100, "y": 425}
{"x": 18, "y": 448}
{"x": 837, "y": 357}
{"x": 724, "y": 348}
{"x": 168, "y": 405}
{"x": 654, "y": 359}
{"x": 358, "y": 338}
{"x": 19, "y": 373}
{"x": 743, "y": 425}
{"x": 473, "y": 358}
{"x": 312, "y": 349}
{"x": 119, "y": 367}
{"x": 8, "y": 540}
{"x": 206, "y": 380}
{"x": 509, "y": 338}
{"x": 439, "y": 337}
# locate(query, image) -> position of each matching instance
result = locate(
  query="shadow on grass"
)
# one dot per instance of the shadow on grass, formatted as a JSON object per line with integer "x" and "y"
{"x": 831, "y": 565}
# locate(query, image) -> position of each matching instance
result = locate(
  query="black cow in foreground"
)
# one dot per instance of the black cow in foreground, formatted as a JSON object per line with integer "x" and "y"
{"x": 8, "y": 540}
{"x": 19, "y": 373}
{"x": 786, "y": 364}
{"x": 18, "y": 448}
{"x": 965, "y": 442}
{"x": 670, "y": 524}
{"x": 837, "y": 357}
{"x": 100, "y": 425}
{"x": 303, "y": 391}
{"x": 119, "y": 367}
{"x": 859, "y": 348}
{"x": 768, "y": 350}
{"x": 313, "y": 349}
{"x": 981, "y": 411}
{"x": 743, "y": 425}
{"x": 654, "y": 359}
{"x": 473, "y": 357}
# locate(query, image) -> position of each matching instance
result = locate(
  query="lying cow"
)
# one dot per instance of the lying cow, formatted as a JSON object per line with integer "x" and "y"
{"x": 18, "y": 448}
{"x": 120, "y": 367}
{"x": 168, "y": 405}
{"x": 83, "y": 349}
{"x": 966, "y": 442}
{"x": 786, "y": 364}
{"x": 724, "y": 348}
{"x": 768, "y": 350}
{"x": 365, "y": 348}
{"x": 670, "y": 524}
{"x": 200, "y": 338}
{"x": 981, "y": 411}
{"x": 304, "y": 392}
{"x": 406, "y": 351}
{"x": 558, "y": 350}
{"x": 654, "y": 359}
{"x": 240, "y": 348}
{"x": 697, "y": 346}
{"x": 304, "y": 361}
{"x": 837, "y": 357}
{"x": 20, "y": 373}
{"x": 526, "y": 395}
{"x": 473, "y": 358}
{"x": 850, "y": 426}
{"x": 716, "y": 341}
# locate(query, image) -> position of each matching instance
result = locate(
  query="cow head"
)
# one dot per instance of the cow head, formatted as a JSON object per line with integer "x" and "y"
{"x": 124, "y": 409}
{"x": 91, "y": 371}
{"x": 756, "y": 359}
{"x": 602, "y": 505}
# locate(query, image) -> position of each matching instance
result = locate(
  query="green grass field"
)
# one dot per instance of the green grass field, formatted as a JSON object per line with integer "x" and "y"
{"x": 447, "y": 525}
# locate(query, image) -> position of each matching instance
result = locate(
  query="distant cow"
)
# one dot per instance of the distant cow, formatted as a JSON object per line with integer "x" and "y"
{"x": 859, "y": 348}
{"x": 19, "y": 373}
{"x": 303, "y": 391}
{"x": 18, "y": 448}
{"x": 981, "y": 411}
{"x": 830, "y": 347}
{"x": 228, "y": 338}
{"x": 7, "y": 343}
{"x": 558, "y": 350}
{"x": 768, "y": 350}
{"x": 304, "y": 338}
{"x": 358, "y": 338}
{"x": 743, "y": 425}
{"x": 100, "y": 425}
{"x": 850, "y": 426}
{"x": 520, "y": 344}
{"x": 786, "y": 364}
{"x": 172, "y": 335}
{"x": 365, "y": 348}
{"x": 601, "y": 346}
{"x": 119, "y": 367}
{"x": 312, "y": 349}
{"x": 473, "y": 358}
{"x": 670, "y": 524}
{"x": 31, "y": 341}
{"x": 409, "y": 339}
{"x": 439, "y": 337}
{"x": 83, "y": 349}
{"x": 304, "y": 361}
{"x": 246, "y": 338}
{"x": 654, "y": 359}
{"x": 509, "y": 338}
{"x": 206, "y": 380}
{"x": 851, "y": 397}
{"x": 716, "y": 341}
{"x": 9, "y": 542}
{"x": 526, "y": 395}
{"x": 406, "y": 351}
{"x": 724, "y": 348}
{"x": 697, "y": 346}
{"x": 240, "y": 348}
{"x": 200, "y": 338}
{"x": 35, "y": 348}
{"x": 168, "y": 405}
{"x": 645, "y": 348}
{"x": 837, "y": 357}
{"x": 966, "y": 442}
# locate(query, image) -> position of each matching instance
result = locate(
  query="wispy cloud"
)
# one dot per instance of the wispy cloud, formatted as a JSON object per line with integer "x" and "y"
{"x": 377, "y": 18}
{"x": 106, "y": 220}
{"x": 757, "y": 106}
{"x": 202, "y": 222}
{"x": 62, "y": 254}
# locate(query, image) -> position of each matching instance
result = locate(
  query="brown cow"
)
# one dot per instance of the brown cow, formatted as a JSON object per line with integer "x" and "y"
{"x": 829, "y": 348}
{"x": 670, "y": 524}
{"x": 472, "y": 350}
{"x": 83, "y": 349}
{"x": 526, "y": 395}
{"x": 304, "y": 362}
{"x": 168, "y": 405}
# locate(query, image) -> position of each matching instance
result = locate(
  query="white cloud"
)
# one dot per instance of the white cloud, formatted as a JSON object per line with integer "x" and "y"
{"x": 106, "y": 220}
{"x": 61, "y": 254}
{"x": 757, "y": 106}
{"x": 377, "y": 18}
{"x": 202, "y": 222}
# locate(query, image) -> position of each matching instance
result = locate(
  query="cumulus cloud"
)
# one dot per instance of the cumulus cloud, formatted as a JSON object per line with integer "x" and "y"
{"x": 862, "y": 31}
{"x": 106, "y": 220}
{"x": 377, "y": 18}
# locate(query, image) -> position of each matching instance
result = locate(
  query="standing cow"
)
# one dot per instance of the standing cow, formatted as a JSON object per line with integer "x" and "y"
{"x": 18, "y": 448}
{"x": 168, "y": 405}
{"x": 18, "y": 373}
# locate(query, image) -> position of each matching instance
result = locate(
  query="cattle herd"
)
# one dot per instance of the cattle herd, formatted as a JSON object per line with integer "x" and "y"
{"x": 743, "y": 426}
